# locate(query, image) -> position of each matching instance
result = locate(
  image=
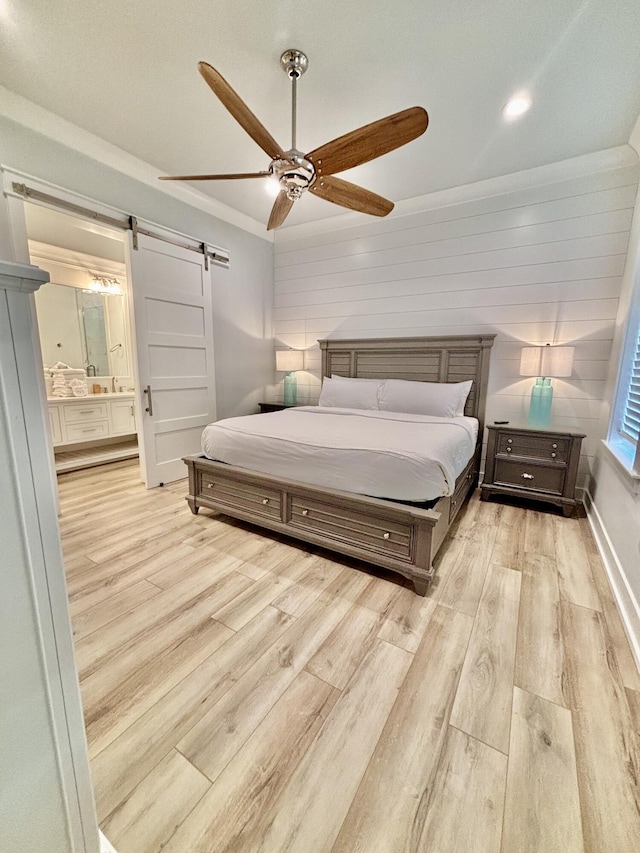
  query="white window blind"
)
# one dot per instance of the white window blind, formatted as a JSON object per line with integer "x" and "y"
{"x": 631, "y": 412}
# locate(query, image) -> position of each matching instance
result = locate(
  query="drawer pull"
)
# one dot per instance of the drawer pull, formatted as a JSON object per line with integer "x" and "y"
{"x": 554, "y": 446}
{"x": 508, "y": 450}
{"x": 210, "y": 485}
{"x": 386, "y": 535}
{"x": 553, "y": 455}
{"x": 509, "y": 441}
{"x": 265, "y": 501}
{"x": 305, "y": 512}
{"x": 93, "y": 429}
{"x": 527, "y": 476}
{"x": 87, "y": 411}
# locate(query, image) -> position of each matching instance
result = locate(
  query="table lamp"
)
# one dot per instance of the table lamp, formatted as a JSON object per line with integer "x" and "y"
{"x": 545, "y": 363}
{"x": 290, "y": 360}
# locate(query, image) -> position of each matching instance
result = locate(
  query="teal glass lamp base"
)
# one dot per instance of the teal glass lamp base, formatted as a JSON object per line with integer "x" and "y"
{"x": 540, "y": 406}
{"x": 290, "y": 389}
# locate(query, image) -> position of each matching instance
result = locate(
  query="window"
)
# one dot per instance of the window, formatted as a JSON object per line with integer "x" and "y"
{"x": 624, "y": 433}
{"x": 630, "y": 426}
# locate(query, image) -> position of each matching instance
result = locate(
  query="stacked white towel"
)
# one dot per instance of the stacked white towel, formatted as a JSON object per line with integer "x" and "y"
{"x": 67, "y": 381}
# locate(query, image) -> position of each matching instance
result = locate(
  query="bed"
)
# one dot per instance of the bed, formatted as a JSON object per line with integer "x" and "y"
{"x": 402, "y": 531}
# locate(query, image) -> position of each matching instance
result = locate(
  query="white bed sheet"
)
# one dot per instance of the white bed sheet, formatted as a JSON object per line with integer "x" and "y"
{"x": 381, "y": 454}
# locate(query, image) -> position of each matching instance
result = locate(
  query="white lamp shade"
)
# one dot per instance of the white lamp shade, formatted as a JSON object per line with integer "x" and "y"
{"x": 289, "y": 359}
{"x": 546, "y": 361}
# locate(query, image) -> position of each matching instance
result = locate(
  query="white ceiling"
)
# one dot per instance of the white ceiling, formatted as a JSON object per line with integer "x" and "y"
{"x": 127, "y": 72}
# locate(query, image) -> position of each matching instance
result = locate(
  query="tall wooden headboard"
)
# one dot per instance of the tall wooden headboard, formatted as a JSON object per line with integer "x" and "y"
{"x": 447, "y": 359}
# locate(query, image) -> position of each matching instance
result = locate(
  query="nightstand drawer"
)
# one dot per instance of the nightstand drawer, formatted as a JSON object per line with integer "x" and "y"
{"x": 259, "y": 501}
{"x": 533, "y": 478}
{"x": 534, "y": 446}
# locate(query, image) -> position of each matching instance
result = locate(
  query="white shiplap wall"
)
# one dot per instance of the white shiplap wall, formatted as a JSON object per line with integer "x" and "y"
{"x": 535, "y": 266}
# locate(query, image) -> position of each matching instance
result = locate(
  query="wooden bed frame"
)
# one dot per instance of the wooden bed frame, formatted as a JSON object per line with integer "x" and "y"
{"x": 401, "y": 537}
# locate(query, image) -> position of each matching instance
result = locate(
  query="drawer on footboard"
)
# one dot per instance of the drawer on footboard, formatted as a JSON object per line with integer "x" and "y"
{"x": 251, "y": 499}
{"x": 391, "y": 538}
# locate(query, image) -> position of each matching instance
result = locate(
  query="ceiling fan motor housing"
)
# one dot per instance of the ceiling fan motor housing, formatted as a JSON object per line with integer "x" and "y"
{"x": 295, "y": 175}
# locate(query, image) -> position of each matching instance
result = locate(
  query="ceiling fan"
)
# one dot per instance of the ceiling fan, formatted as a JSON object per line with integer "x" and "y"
{"x": 295, "y": 172}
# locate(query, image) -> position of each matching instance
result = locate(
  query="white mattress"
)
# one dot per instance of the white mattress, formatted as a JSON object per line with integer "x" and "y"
{"x": 381, "y": 454}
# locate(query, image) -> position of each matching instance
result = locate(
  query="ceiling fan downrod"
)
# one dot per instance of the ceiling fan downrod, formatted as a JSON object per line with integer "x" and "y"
{"x": 294, "y": 63}
{"x": 298, "y": 174}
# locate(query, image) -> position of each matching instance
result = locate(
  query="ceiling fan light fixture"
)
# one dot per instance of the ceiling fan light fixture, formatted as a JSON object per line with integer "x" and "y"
{"x": 272, "y": 186}
{"x": 516, "y": 106}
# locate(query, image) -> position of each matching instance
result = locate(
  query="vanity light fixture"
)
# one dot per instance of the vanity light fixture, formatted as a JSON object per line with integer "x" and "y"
{"x": 516, "y": 106}
{"x": 102, "y": 284}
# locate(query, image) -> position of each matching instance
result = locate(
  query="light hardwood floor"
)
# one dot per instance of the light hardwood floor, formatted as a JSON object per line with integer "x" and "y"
{"x": 246, "y": 693}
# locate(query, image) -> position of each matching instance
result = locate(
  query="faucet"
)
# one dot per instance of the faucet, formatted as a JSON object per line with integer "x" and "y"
{"x": 113, "y": 384}
{"x": 91, "y": 367}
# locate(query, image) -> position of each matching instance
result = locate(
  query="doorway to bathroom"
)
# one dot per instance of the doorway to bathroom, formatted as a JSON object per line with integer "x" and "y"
{"x": 85, "y": 338}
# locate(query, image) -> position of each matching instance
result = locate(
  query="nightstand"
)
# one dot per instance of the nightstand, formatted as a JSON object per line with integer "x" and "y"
{"x": 273, "y": 407}
{"x": 537, "y": 464}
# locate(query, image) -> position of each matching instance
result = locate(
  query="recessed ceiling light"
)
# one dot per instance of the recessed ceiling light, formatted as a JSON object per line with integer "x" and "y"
{"x": 516, "y": 106}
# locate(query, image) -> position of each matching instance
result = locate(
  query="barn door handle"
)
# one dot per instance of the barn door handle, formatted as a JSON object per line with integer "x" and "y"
{"x": 149, "y": 408}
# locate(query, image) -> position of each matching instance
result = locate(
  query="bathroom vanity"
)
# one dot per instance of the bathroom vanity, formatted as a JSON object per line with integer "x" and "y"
{"x": 93, "y": 429}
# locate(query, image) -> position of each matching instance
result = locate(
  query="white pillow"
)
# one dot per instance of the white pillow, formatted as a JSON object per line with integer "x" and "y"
{"x": 346, "y": 393}
{"x": 438, "y": 399}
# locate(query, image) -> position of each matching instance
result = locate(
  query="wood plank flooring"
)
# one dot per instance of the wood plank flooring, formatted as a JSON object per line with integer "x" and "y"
{"x": 246, "y": 693}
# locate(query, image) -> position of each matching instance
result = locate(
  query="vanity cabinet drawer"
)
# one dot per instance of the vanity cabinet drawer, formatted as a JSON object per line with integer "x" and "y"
{"x": 345, "y": 525}
{"x": 74, "y": 413}
{"x": 525, "y": 475}
{"x": 253, "y": 500}
{"x": 86, "y": 431}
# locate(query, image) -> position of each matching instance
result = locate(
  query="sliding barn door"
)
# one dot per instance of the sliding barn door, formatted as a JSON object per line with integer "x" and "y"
{"x": 173, "y": 324}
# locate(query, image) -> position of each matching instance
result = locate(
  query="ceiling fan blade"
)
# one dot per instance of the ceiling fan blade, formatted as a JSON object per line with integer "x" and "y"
{"x": 241, "y": 112}
{"x": 368, "y": 142}
{"x": 349, "y": 195}
{"x": 279, "y": 211}
{"x": 234, "y": 177}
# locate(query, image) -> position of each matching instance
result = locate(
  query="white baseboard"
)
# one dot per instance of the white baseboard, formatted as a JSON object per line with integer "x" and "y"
{"x": 627, "y": 605}
{"x": 106, "y": 846}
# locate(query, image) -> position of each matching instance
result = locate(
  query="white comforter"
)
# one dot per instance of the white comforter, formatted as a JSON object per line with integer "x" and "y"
{"x": 382, "y": 454}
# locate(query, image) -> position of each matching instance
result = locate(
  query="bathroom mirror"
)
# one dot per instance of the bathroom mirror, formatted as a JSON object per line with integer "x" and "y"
{"x": 83, "y": 329}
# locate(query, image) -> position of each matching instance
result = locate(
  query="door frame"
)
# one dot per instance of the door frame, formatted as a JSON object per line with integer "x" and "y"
{"x": 20, "y": 188}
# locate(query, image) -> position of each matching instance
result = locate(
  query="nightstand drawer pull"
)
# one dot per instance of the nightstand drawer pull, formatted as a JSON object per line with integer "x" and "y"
{"x": 526, "y": 476}
{"x": 386, "y": 535}
{"x": 553, "y": 455}
{"x": 265, "y": 501}
{"x": 508, "y": 450}
{"x": 305, "y": 512}
{"x": 555, "y": 446}
{"x": 509, "y": 441}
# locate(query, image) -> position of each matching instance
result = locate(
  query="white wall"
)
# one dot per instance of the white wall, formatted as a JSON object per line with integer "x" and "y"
{"x": 614, "y": 496}
{"x": 537, "y": 265}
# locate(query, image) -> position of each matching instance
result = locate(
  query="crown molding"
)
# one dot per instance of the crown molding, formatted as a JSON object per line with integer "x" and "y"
{"x": 25, "y": 278}
{"x": 563, "y": 170}
{"x": 36, "y": 118}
